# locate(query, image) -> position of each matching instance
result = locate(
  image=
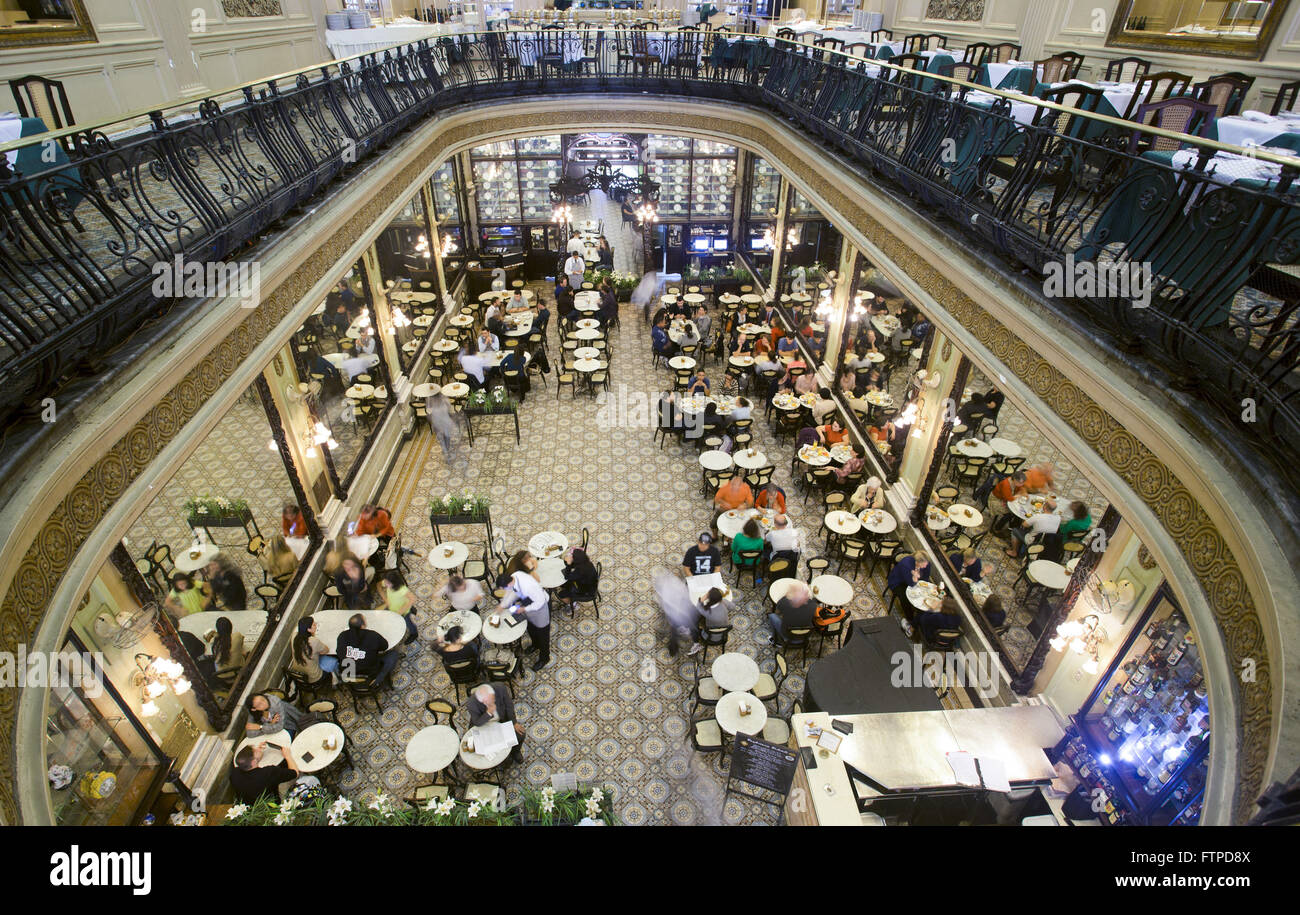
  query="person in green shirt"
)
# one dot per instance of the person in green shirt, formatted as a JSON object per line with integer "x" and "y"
{"x": 750, "y": 538}
{"x": 185, "y": 597}
{"x": 1079, "y": 523}
{"x": 399, "y": 599}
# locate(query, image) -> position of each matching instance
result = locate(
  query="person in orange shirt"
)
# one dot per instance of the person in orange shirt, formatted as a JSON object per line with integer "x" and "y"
{"x": 832, "y": 433}
{"x": 771, "y": 496}
{"x": 1008, "y": 488}
{"x": 1040, "y": 477}
{"x": 733, "y": 494}
{"x": 375, "y": 521}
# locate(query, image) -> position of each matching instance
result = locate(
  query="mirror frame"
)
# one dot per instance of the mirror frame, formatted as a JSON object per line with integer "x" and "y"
{"x": 81, "y": 31}
{"x": 1120, "y": 37}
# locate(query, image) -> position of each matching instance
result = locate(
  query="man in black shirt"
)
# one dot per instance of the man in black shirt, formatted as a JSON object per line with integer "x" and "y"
{"x": 367, "y": 653}
{"x": 250, "y": 780}
{"x": 794, "y": 611}
{"x": 703, "y": 558}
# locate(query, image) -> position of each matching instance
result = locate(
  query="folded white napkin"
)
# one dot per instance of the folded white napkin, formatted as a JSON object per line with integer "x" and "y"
{"x": 1257, "y": 116}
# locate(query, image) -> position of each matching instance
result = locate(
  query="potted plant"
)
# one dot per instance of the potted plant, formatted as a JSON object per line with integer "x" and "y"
{"x": 465, "y": 508}
{"x": 210, "y": 511}
{"x": 497, "y": 400}
{"x": 318, "y": 807}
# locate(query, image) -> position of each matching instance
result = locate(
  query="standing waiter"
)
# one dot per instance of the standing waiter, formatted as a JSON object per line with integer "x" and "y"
{"x": 575, "y": 268}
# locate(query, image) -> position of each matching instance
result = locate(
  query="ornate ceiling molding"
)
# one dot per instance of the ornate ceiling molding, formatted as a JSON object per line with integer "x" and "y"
{"x": 60, "y": 534}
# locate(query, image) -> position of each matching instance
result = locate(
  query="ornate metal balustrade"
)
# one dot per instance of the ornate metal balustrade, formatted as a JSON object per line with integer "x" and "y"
{"x": 1104, "y": 212}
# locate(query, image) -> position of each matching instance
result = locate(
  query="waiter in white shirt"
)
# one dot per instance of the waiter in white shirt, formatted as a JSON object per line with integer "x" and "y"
{"x": 575, "y": 268}
{"x": 526, "y": 596}
{"x": 577, "y": 244}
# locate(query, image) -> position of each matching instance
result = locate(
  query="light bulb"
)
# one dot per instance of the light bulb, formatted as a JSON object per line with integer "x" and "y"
{"x": 1090, "y": 666}
{"x": 181, "y": 686}
{"x": 1058, "y": 644}
{"x": 149, "y": 709}
{"x": 154, "y": 689}
{"x": 311, "y": 451}
{"x": 1077, "y": 646}
{"x": 270, "y": 445}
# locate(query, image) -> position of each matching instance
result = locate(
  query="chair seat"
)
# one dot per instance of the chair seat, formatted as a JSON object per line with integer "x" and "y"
{"x": 483, "y": 792}
{"x": 426, "y": 792}
{"x": 708, "y": 734}
{"x": 765, "y": 688}
{"x": 474, "y": 569}
{"x": 710, "y": 691}
{"x": 776, "y": 731}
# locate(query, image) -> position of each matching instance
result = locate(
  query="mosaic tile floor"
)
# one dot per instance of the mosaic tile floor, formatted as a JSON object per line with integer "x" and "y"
{"x": 612, "y": 706}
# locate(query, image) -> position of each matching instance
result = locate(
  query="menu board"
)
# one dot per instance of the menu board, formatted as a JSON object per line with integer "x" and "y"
{"x": 762, "y": 764}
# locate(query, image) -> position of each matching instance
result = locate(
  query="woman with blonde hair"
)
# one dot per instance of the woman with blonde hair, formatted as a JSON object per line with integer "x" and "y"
{"x": 278, "y": 559}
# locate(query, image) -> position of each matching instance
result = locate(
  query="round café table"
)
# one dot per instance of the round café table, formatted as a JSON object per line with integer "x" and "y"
{"x": 832, "y": 590}
{"x": 422, "y": 320}
{"x": 410, "y": 347}
{"x": 936, "y": 519}
{"x": 363, "y": 546}
{"x": 842, "y": 453}
{"x": 330, "y": 624}
{"x": 1051, "y": 575}
{"x": 1005, "y": 447}
{"x": 731, "y": 523}
{"x": 360, "y": 391}
{"x": 743, "y": 362}
{"x": 752, "y": 298}
{"x": 586, "y": 365}
{"x": 750, "y": 458}
{"x": 681, "y": 362}
{"x": 727, "y": 712}
{"x": 424, "y": 390}
{"x": 507, "y": 630}
{"x": 787, "y": 402}
{"x": 586, "y": 352}
{"x": 587, "y": 333}
{"x": 919, "y": 594}
{"x": 432, "y": 749}
{"x": 973, "y": 447}
{"x": 693, "y": 298}
{"x": 548, "y": 543}
{"x": 715, "y": 460}
{"x": 460, "y": 320}
{"x": 450, "y": 554}
{"x": 813, "y": 457}
{"x": 878, "y": 521}
{"x": 311, "y": 740}
{"x": 965, "y": 515}
{"x": 455, "y": 389}
{"x": 477, "y": 760}
{"x": 780, "y": 588}
{"x": 843, "y": 523}
{"x": 735, "y": 672}
{"x": 587, "y": 324}
{"x": 470, "y": 623}
{"x": 193, "y": 559}
{"x": 550, "y": 572}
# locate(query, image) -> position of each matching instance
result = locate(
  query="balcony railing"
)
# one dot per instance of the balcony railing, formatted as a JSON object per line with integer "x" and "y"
{"x": 1145, "y": 233}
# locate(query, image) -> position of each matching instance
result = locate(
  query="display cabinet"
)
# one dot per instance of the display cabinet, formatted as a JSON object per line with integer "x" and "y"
{"x": 446, "y": 203}
{"x": 1143, "y": 735}
{"x": 764, "y": 189}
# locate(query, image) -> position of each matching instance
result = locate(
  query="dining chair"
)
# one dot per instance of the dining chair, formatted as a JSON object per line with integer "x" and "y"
{"x": 1286, "y": 97}
{"x": 1181, "y": 114}
{"x": 976, "y": 53}
{"x": 46, "y": 99}
{"x": 768, "y": 687}
{"x": 439, "y": 707}
{"x": 1225, "y": 92}
{"x": 1001, "y": 53}
{"x": 1155, "y": 88}
{"x": 1126, "y": 69}
{"x": 462, "y": 673}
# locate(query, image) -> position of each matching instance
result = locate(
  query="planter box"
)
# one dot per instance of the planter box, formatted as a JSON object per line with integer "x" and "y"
{"x": 457, "y": 519}
{"x": 229, "y": 519}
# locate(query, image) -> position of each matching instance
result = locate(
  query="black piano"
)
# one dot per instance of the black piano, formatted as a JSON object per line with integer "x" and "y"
{"x": 857, "y": 679}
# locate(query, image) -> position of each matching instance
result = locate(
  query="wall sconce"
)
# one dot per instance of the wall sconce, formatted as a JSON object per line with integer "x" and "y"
{"x": 1114, "y": 595}
{"x": 1081, "y": 637}
{"x": 448, "y": 245}
{"x": 422, "y": 246}
{"x": 400, "y": 319}
{"x": 301, "y": 392}
{"x": 562, "y": 214}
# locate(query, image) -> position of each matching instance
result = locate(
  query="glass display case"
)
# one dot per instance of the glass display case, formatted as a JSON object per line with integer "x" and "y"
{"x": 535, "y": 179}
{"x": 714, "y": 187}
{"x": 445, "y": 204}
{"x": 1145, "y": 729}
{"x": 764, "y": 189}
{"x": 102, "y": 767}
{"x": 674, "y": 177}
{"x": 514, "y": 178}
{"x": 801, "y": 205}
{"x": 697, "y": 178}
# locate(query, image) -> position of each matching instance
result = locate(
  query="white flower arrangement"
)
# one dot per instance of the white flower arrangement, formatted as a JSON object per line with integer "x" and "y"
{"x": 442, "y": 808}
{"x": 285, "y": 815}
{"x": 382, "y": 804}
{"x": 339, "y": 810}
{"x": 474, "y": 808}
{"x": 593, "y": 807}
{"x": 237, "y": 811}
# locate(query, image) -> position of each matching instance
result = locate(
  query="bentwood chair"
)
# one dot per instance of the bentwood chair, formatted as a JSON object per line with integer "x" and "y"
{"x": 1127, "y": 69}
{"x": 1287, "y": 94}
{"x": 38, "y": 97}
{"x": 1225, "y": 92}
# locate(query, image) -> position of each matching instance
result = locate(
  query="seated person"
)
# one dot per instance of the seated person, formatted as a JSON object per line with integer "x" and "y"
{"x": 1045, "y": 522}
{"x": 491, "y": 702}
{"x": 703, "y": 558}
{"x": 225, "y": 585}
{"x": 805, "y": 383}
{"x": 905, "y": 573}
{"x": 1040, "y": 478}
{"x": 690, "y": 335}
{"x": 292, "y": 521}
{"x": 659, "y": 340}
{"x": 186, "y": 596}
{"x": 794, "y": 611}
{"x": 227, "y": 646}
{"x": 462, "y": 593}
{"x": 714, "y": 610}
{"x": 750, "y": 539}
{"x": 309, "y": 656}
{"x": 832, "y": 433}
{"x": 270, "y": 715}
{"x": 771, "y": 496}
{"x": 994, "y": 612}
{"x": 967, "y": 564}
{"x": 762, "y": 348}
{"x": 251, "y": 781}
{"x": 278, "y": 560}
{"x": 399, "y": 599}
{"x": 493, "y": 311}
{"x": 374, "y": 521}
{"x": 472, "y": 365}
{"x": 742, "y": 346}
{"x": 931, "y": 622}
{"x": 823, "y": 406}
{"x": 742, "y": 409}
{"x": 580, "y": 577}
{"x": 853, "y": 465}
{"x": 784, "y": 538}
{"x": 869, "y": 495}
{"x": 454, "y": 647}
{"x": 516, "y": 303}
{"x": 766, "y": 363}
{"x": 699, "y": 384}
{"x": 734, "y": 494}
{"x": 787, "y": 346}
{"x": 488, "y": 342}
{"x": 1079, "y": 523}
{"x": 363, "y": 653}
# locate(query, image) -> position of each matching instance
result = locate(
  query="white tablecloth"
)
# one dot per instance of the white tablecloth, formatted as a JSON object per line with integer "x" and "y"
{"x": 347, "y": 42}
{"x": 1258, "y": 129}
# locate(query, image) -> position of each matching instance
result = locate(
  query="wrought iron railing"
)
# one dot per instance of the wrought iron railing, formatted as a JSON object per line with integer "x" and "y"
{"x": 1069, "y": 194}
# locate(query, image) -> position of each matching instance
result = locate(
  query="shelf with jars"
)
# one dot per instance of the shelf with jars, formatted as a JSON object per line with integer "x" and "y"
{"x": 764, "y": 189}
{"x": 1147, "y": 724}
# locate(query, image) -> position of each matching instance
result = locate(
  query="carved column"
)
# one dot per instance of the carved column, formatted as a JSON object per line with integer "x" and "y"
{"x": 778, "y": 245}
{"x": 1023, "y": 682}
{"x": 435, "y": 239}
{"x": 278, "y": 433}
{"x": 940, "y": 447}
{"x": 162, "y": 625}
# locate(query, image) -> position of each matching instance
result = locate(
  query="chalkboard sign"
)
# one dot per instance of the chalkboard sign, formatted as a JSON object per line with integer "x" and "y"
{"x": 763, "y": 765}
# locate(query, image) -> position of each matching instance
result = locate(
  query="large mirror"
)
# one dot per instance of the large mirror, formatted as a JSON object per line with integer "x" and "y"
{"x": 41, "y": 22}
{"x": 1222, "y": 28}
{"x": 406, "y": 265}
